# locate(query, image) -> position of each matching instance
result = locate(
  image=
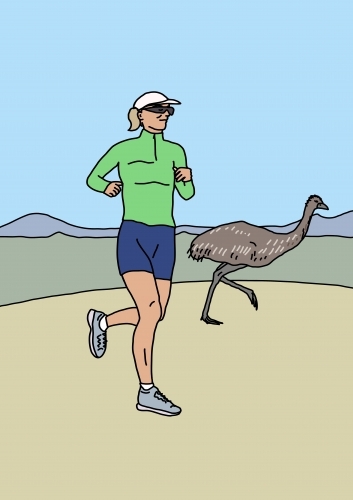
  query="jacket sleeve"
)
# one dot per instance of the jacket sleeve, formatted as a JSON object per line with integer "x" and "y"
{"x": 185, "y": 189}
{"x": 104, "y": 166}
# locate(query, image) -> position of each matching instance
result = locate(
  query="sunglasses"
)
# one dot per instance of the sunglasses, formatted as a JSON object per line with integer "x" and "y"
{"x": 160, "y": 109}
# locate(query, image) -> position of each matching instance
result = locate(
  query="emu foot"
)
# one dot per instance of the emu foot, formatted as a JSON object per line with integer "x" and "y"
{"x": 210, "y": 321}
{"x": 253, "y": 300}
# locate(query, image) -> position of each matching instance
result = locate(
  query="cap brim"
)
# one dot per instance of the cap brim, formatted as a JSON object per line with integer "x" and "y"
{"x": 169, "y": 101}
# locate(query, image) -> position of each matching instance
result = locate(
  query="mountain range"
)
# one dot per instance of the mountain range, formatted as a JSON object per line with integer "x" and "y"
{"x": 39, "y": 225}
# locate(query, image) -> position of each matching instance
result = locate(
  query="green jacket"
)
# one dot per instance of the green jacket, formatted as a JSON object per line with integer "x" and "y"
{"x": 145, "y": 167}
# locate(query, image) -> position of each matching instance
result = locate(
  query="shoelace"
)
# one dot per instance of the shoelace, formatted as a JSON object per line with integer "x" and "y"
{"x": 103, "y": 341}
{"x": 163, "y": 397}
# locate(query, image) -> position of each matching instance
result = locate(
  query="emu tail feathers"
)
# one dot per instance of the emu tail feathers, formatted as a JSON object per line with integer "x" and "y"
{"x": 192, "y": 253}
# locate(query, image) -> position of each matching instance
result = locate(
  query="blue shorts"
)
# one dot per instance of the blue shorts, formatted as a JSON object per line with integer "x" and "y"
{"x": 146, "y": 248}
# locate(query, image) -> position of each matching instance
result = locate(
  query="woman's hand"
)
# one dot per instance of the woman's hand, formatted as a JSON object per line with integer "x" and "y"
{"x": 182, "y": 174}
{"x": 113, "y": 189}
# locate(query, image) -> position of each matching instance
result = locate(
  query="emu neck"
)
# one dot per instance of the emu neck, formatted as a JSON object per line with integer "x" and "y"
{"x": 304, "y": 224}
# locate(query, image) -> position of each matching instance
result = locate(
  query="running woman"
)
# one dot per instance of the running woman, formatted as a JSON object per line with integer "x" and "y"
{"x": 150, "y": 168}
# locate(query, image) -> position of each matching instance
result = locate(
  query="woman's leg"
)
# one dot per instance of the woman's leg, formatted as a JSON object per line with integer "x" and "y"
{"x": 130, "y": 315}
{"x": 156, "y": 256}
{"x": 144, "y": 292}
{"x": 127, "y": 316}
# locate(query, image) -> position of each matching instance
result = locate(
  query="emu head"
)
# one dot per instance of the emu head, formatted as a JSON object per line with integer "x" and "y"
{"x": 315, "y": 201}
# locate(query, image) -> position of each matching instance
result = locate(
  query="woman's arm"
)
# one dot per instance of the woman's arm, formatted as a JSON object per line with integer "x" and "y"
{"x": 186, "y": 189}
{"x": 104, "y": 166}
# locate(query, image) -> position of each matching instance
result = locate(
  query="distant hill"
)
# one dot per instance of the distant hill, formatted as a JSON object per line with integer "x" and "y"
{"x": 42, "y": 226}
{"x": 341, "y": 225}
{"x": 39, "y": 225}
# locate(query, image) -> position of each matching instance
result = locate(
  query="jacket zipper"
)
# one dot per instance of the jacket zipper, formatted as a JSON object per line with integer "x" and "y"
{"x": 155, "y": 147}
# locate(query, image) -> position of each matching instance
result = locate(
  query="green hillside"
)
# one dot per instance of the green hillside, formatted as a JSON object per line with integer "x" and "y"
{"x": 42, "y": 267}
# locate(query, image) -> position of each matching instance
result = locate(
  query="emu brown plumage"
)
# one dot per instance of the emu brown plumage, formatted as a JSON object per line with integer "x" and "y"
{"x": 238, "y": 244}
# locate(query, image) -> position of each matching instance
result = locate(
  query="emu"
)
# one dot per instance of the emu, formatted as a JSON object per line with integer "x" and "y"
{"x": 238, "y": 244}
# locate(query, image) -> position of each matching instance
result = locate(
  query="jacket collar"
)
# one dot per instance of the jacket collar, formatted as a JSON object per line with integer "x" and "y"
{"x": 148, "y": 137}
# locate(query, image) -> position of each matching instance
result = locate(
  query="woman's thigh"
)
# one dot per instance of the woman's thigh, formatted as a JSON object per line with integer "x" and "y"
{"x": 143, "y": 290}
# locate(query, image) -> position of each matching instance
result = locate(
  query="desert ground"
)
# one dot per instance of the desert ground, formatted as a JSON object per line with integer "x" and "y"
{"x": 266, "y": 399}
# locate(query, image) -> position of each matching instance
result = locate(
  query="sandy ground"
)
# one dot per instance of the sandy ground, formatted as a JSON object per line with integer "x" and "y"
{"x": 266, "y": 399}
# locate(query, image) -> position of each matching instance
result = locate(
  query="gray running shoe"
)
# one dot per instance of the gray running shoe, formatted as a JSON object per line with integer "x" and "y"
{"x": 97, "y": 336}
{"x": 154, "y": 400}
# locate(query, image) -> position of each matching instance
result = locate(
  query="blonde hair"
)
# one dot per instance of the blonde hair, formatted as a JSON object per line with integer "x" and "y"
{"x": 133, "y": 119}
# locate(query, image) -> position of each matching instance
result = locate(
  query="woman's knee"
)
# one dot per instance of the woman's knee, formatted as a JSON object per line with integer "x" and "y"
{"x": 151, "y": 311}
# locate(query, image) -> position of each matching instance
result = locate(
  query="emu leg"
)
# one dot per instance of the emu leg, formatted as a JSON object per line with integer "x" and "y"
{"x": 250, "y": 293}
{"x": 205, "y": 317}
{"x": 218, "y": 274}
{"x": 211, "y": 290}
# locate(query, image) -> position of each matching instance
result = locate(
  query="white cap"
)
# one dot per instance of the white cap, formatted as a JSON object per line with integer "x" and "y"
{"x": 153, "y": 98}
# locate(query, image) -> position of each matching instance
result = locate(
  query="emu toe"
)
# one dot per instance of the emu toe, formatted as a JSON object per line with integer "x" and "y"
{"x": 254, "y": 301}
{"x": 211, "y": 321}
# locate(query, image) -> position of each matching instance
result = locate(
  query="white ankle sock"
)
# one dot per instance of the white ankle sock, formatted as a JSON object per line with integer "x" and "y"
{"x": 147, "y": 386}
{"x": 103, "y": 323}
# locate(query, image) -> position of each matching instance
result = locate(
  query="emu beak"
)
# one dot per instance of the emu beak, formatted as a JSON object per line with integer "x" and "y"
{"x": 323, "y": 206}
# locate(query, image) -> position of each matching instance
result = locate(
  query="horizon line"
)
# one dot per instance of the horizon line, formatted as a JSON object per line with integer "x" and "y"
{"x": 181, "y": 225}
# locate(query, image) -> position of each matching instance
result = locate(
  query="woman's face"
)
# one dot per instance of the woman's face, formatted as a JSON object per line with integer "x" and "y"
{"x": 152, "y": 121}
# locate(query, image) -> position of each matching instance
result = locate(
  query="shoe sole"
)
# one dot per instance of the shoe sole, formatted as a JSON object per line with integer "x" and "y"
{"x": 153, "y": 410}
{"x": 90, "y": 317}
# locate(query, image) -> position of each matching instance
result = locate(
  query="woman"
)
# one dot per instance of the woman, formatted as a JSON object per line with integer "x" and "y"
{"x": 149, "y": 168}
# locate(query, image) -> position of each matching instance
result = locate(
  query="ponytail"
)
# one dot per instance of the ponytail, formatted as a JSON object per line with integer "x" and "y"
{"x": 134, "y": 119}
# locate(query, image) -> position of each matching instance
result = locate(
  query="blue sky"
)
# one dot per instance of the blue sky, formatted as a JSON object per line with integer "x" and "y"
{"x": 266, "y": 92}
